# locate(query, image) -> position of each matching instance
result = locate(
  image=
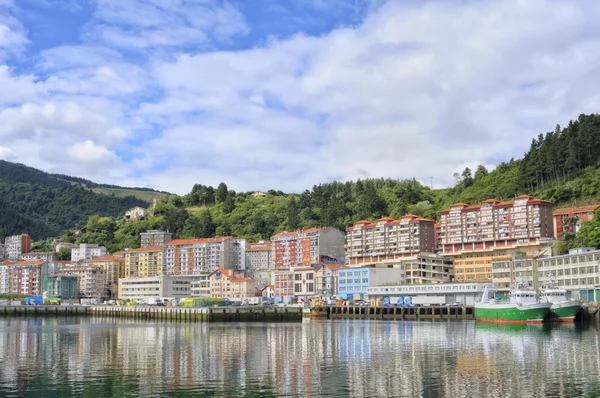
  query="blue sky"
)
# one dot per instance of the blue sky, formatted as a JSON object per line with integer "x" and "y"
{"x": 285, "y": 94}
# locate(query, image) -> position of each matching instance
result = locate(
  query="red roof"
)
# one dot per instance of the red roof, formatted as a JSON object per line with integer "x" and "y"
{"x": 145, "y": 249}
{"x": 575, "y": 210}
{"x": 242, "y": 280}
{"x": 259, "y": 249}
{"x": 196, "y": 241}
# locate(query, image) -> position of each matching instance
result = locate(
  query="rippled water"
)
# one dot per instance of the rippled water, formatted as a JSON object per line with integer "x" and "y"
{"x": 58, "y": 357}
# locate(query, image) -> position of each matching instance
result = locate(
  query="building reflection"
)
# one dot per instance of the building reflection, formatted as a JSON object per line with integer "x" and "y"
{"x": 346, "y": 358}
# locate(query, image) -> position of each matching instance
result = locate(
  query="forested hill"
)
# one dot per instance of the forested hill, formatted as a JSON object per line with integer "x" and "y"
{"x": 43, "y": 205}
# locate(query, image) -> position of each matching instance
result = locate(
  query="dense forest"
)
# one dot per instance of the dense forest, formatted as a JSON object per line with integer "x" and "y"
{"x": 561, "y": 166}
{"x": 41, "y": 205}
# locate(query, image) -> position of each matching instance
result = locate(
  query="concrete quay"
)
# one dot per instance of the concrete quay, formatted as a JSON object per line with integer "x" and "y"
{"x": 160, "y": 314}
{"x": 394, "y": 313}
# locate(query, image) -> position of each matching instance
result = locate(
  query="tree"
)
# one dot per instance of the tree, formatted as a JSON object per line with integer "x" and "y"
{"x": 229, "y": 204}
{"x": 63, "y": 254}
{"x": 221, "y": 193}
{"x": 467, "y": 178}
{"x": 293, "y": 221}
{"x": 480, "y": 172}
{"x": 207, "y": 226}
{"x": 175, "y": 220}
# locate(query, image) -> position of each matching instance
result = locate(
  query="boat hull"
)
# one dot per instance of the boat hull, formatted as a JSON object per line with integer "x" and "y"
{"x": 564, "y": 312}
{"x": 512, "y": 313}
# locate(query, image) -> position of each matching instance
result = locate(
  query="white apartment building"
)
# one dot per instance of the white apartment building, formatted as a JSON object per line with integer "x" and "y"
{"x": 87, "y": 251}
{"x": 308, "y": 247}
{"x": 16, "y": 245}
{"x": 387, "y": 239}
{"x": 259, "y": 262}
{"x": 176, "y": 286}
{"x": 201, "y": 286}
{"x": 326, "y": 279}
{"x": 492, "y": 224}
{"x": 304, "y": 283}
{"x": 202, "y": 256}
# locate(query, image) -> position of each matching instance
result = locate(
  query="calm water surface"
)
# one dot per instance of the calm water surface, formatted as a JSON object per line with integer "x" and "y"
{"x": 88, "y": 358}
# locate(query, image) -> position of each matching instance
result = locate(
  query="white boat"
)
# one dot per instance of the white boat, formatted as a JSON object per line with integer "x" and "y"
{"x": 563, "y": 309}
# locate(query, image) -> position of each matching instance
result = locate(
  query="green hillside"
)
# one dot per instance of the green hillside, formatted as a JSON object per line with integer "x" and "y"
{"x": 44, "y": 205}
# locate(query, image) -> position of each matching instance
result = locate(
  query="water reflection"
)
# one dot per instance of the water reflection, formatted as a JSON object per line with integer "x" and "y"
{"x": 348, "y": 358}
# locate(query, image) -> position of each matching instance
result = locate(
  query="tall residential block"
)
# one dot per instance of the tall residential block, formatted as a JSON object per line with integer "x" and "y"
{"x": 201, "y": 256}
{"x": 309, "y": 247}
{"x": 259, "y": 262}
{"x": 570, "y": 218}
{"x": 22, "y": 277}
{"x": 144, "y": 262}
{"x": 387, "y": 239}
{"x": 16, "y": 245}
{"x": 114, "y": 266}
{"x": 154, "y": 238}
{"x": 87, "y": 251}
{"x": 92, "y": 280}
{"x": 478, "y": 235}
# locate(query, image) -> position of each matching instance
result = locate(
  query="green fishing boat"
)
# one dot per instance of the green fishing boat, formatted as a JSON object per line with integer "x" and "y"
{"x": 523, "y": 306}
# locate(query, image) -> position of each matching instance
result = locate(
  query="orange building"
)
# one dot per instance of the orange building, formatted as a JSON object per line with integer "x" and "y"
{"x": 562, "y": 218}
{"x": 308, "y": 247}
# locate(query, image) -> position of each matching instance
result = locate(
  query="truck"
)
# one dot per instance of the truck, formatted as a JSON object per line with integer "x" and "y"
{"x": 427, "y": 301}
{"x": 252, "y": 301}
{"x": 33, "y": 300}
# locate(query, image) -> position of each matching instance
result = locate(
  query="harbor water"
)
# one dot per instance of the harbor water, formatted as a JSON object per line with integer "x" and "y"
{"x": 86, "y": 357}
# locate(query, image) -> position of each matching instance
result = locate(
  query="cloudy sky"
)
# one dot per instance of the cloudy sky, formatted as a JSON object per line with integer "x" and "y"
{"x": 285, "y": 94}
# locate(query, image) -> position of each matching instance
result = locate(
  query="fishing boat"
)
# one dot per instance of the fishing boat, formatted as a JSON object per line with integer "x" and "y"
{"x": 562, "y": 309}
{"x": 523, "y": 306}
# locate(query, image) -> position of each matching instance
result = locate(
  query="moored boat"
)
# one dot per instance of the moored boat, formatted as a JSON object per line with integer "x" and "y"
{"x": 562, "y": 309}
{"x": 523, "y": 306}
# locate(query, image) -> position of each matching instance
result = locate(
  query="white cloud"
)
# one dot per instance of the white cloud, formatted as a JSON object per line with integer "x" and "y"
{"x": 176, "y": 23}
{"x": 416, "y": 90}
{"x": 12, "y": 34}
{"x": 90, "y": 153}
{"x": 7, "y": 153}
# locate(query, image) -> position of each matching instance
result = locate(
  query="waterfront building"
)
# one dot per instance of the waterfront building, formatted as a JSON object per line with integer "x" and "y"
{"x": 65, "y": 287}
{"x": 87, "y": 251}
{"x": 428, "y": 268}
{"x": 21, "y": 277}
{"x": 387, "y": 239}
{"x": 224, "y": 284}
{"x": 201, "y": 286}
{"x": 144, "y": 262}
{"x": 176, "y": 286}
{"x": 450, "y": 293}
{"x": 513, "y": 269}
{"x": 155, "y": 238}
{"x": 114, "y": 267}
{"x": 304, "y": 283}
{"x": 326, "y": 279}
{"x": 91, "y": 279}
{"x": 16, "y": 245}
{"x": 353, "y": 282}
{"x": 578, "y": 272}
{"x": 283, "y": 282}
{"x": 570, "y": 218}
{"x": 136, "y": 213}
{"x": 202, "y": 256}
{"x": 309, "y": 247}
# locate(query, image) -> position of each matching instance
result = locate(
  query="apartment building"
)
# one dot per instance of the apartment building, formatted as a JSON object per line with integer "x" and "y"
{"x": 38, "y": 256}
{"x": 155, "y": 238}
{"x": 493, "y": 224}
{"x": 259, "y": 262}
{"x": 578, "y": 272}
{"x": 202, "y": 256}
{"x": 87, "y": 251}
{"x": 144, "y": 262}
{"x": 304, "y": 283}
{"x": 171, "y": 286}
{"x": 517, "y": 268}
{"x": 114, "y": 268}
{"x": 16, "y": 245}
{"x": 326, "y": 279}
{"x": 437, "y": 233}
{"x": 570, "y": 218}
{"x": 224, "y": 284}
{"x": 478, "y": 235}
{"x": 92, "y": 280}
{"x": 65, "y": 287}
{"x": 308, "y": 247}
{"x": 21, "y": 277}
{"x": 387, "y": 239}
{"x": 353, "y": 282}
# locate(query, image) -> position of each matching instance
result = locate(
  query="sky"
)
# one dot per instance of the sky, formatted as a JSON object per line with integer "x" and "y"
{"x": 286, "y": 94}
